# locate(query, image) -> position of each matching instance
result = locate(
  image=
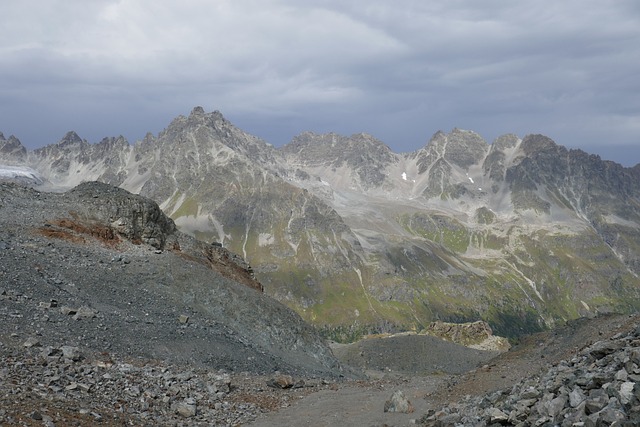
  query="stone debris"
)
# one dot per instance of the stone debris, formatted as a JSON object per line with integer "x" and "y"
{"x": 600, "y": 386}
{"x": 281, "y": 381}
{"x": 31, "y": 342}
{"x": 84, "y": 312}
{"x": 187, "y": 408}
{"x": 45, "y": 384}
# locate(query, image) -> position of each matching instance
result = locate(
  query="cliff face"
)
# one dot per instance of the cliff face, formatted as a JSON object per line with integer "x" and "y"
{"x": 521, "y": 233}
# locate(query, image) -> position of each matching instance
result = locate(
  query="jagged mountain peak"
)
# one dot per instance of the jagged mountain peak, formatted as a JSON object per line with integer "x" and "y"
{"x": 113, "y": 141}
{"x": 461, "y": 148}
{"x": 214, "y": 118}
{"x": 71, "y": 138}
{"x": 12, "y": 149}
{"x": 536, "y": 143}
{"x": 204, "y": 131}
{"x": 334, "y": 145}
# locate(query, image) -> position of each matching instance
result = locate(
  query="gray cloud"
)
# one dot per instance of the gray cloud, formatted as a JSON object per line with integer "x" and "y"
{"x": 400, "y": 70}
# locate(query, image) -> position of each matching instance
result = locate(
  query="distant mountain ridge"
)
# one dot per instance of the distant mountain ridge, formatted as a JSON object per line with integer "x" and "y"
{"x": 522, "y": 233}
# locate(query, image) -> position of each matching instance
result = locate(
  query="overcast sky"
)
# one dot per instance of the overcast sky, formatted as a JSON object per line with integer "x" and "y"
{"x": 398, "y": 70}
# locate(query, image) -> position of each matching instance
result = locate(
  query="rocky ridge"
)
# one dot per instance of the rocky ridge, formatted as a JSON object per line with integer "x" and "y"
{"x": 521, "y": 233}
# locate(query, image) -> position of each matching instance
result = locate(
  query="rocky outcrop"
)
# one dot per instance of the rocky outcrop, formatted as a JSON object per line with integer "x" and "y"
{"x": 398, "y": 403}
{"x": 475, "y": 335}
{"x": 137, "y": 218}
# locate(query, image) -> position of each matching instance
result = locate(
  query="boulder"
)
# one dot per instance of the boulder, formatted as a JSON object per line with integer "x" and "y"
{"x": 398, "y": 403}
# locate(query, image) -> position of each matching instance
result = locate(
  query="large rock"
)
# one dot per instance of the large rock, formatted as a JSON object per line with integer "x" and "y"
{"x": 398, "y": 403}
{"x": 137, "y": 218}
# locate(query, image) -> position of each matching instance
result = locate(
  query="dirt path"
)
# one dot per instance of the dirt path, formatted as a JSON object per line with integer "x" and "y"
{"x": 356, "y": 404}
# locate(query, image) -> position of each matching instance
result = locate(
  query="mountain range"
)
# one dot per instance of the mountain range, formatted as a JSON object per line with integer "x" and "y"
{"x": 522, "y": 233}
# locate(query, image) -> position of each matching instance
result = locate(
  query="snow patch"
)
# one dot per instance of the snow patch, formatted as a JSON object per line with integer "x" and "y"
{"x": 21, "y": 173}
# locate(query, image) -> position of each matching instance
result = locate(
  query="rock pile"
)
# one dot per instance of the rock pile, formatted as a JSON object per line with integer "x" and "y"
{"x": 66, "y": 385}
{"x": 599, "y": 386}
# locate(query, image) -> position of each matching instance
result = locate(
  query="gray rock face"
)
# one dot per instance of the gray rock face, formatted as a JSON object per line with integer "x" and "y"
{"x": 134, "y": 217}
{"x": 365, "y": 157}
{"x": 461, "y": 148}
{"x": 12, "y": 149}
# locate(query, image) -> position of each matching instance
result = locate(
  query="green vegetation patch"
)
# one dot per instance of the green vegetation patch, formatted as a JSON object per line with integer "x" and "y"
{"x": 438, "y": 228}
{"x": 189, "y": 207}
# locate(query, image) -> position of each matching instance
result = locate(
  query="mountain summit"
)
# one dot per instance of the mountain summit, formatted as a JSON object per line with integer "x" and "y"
{"x": 522, "y": 233}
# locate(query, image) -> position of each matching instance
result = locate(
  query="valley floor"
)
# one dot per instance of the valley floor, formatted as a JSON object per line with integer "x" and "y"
{"x": 60, "y": 386}
{"x": 362, "y": 404}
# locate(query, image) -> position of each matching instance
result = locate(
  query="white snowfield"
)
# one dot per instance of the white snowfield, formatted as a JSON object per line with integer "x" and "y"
{"x": 20, "y": 173}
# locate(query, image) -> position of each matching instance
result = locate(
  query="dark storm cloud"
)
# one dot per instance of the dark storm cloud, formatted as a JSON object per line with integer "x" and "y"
{"x": 398, "y": 70}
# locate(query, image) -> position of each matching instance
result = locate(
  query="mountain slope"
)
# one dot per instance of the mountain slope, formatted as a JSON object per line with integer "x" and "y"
{"x": 138, "y": 287}
{"x": 522, "y": 233}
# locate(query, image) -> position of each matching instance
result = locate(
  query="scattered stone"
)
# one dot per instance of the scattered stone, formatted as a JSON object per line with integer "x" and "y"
{"x": 281, "y": 381}
{"x": 31, "y": 342}
{"x": 221, "y": 384}
{"x": 68, "y": 311}
{"x": 51, "y": 304}
{"x": 71, "y": 353}
{"x": 187, "y": 408}
{"x": 84, "y": 312}
{"x": 495, "y": 415}
{"x": 183, "y": 318}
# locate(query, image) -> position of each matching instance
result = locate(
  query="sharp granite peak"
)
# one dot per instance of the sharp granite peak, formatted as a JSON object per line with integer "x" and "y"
{"x": 522, "y": 233}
